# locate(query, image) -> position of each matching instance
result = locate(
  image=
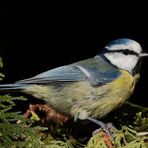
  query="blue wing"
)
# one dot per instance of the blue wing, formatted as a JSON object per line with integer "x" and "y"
{"x": 96, "y": 70}
{"x": 61, "y": 74}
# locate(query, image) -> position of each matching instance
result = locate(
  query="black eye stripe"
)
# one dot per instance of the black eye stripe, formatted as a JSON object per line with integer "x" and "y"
{"x": 127, "y": 52}
{"x": 124, "y": 51}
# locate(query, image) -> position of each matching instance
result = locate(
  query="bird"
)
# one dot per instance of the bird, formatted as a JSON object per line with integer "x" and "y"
{"x": 91, "y": 88}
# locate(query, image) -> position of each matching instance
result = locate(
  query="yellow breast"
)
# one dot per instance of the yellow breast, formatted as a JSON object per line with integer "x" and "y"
{"x": 116, "y": 95}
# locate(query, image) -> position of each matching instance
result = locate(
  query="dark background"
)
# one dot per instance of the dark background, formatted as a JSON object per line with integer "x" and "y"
{"x": 38, "y": 36}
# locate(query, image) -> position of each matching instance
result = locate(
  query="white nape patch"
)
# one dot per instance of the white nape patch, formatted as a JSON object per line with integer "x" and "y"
{"x": 126, "y": 62}
{"x": 84, "y": 71}
{"x": 132, "y": 45}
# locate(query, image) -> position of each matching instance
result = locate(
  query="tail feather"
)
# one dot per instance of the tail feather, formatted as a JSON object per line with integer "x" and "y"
{"x": 14, "y": 86}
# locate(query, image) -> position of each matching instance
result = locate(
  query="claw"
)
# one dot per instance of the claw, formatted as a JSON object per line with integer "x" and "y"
{"x": 105, "y": 127}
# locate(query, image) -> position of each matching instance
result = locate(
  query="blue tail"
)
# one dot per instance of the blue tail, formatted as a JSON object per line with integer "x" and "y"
{"x": 15, "y": 86}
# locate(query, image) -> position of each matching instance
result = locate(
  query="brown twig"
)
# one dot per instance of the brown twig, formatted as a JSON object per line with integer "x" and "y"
{"x": 50, "y": 114}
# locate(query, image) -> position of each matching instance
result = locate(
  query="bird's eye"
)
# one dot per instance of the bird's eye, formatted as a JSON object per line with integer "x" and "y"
{"x": 126, "y": 51}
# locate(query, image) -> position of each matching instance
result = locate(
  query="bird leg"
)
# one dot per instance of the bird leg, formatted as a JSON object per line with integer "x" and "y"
{"x": 105, "y": 127}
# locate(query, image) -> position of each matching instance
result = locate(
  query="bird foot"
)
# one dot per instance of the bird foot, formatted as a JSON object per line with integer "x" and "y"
{"x": 105, "y": 127}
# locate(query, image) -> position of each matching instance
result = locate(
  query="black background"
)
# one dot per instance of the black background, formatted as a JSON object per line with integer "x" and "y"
{"x": 38, "y": 36}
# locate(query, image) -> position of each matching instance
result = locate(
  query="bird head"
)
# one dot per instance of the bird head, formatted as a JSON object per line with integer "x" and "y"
{"x": 125, "y": 54}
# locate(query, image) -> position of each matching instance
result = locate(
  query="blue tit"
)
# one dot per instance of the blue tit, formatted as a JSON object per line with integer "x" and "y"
{"x": 91, "y": 88}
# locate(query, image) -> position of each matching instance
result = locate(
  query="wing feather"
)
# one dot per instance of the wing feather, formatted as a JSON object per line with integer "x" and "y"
{"x": 96, "y": 70}
{"x": 61, "y": 74}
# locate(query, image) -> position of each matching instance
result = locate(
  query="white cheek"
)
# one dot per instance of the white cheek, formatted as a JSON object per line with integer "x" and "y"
{"x": 126, "y": 62}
